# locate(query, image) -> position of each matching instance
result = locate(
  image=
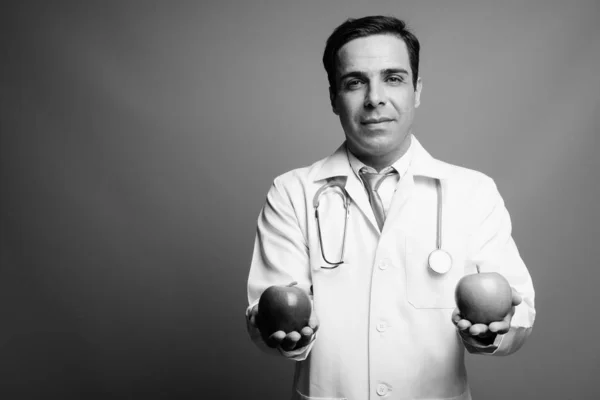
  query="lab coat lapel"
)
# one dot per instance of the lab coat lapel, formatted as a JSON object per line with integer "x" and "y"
{"x": 338, "y": 165}
{"x": 358, "y": 194}
{"x": 403, "y": 192}
{"x": 422, "y": 164}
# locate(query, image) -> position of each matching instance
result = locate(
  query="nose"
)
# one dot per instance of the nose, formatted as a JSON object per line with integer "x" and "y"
{"x": 375, "y": 96}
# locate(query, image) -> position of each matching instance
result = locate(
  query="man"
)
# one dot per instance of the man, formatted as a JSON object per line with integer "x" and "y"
{"x": 384, "y": 323}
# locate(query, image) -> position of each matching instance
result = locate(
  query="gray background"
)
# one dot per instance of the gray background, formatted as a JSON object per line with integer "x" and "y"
{"x": 139, "y": 139}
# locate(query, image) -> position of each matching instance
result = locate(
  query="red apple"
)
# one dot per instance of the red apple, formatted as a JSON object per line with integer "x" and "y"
{"x": 283, "y": 308}
{"x": 484, "y": 297}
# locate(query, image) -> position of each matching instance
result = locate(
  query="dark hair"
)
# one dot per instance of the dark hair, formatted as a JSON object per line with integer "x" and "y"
{"x": 367, "y": 26}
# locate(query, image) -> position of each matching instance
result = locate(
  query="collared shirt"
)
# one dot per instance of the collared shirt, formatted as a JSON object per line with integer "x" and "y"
{"x": 390, "y": 182}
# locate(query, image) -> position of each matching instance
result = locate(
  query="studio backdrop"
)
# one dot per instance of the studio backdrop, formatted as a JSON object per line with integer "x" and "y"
{"x": 139, "y": 139}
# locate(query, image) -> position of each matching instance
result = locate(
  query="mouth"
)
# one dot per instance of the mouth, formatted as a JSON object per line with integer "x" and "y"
{"x": 375, "y": 121}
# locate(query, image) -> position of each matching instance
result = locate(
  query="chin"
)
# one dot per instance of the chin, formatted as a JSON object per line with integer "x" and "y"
{"x": 377, "y": 141}
{"x": 372, "y": 149}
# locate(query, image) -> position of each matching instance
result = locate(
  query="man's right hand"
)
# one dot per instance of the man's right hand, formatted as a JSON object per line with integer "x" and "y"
{"x": 288, "y": 341}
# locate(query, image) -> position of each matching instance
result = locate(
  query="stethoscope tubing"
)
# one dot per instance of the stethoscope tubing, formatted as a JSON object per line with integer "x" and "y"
{"x": 439, "y": 260}
{"x": 438, "y": 187}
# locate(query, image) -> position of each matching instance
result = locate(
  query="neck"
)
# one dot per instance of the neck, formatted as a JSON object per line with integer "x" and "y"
{"x": 377, "y": 163}
{"x": 380, "y": 162}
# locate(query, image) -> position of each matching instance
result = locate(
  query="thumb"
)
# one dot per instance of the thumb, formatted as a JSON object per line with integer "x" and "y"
{"x": 313, "y": 321}
{"x": 253, "y": 317}
{"x": 516, "y": 297}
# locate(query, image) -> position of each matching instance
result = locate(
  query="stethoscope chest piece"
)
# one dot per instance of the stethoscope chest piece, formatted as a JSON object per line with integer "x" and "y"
{"x": 440, "y": 261}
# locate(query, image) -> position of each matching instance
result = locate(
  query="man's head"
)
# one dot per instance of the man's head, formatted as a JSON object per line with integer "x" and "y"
{"x": 373, "y": 88}
{"x": 368, "y": 26}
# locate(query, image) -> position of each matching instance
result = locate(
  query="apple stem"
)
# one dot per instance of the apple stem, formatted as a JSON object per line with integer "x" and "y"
{"x": 478, "y": 271}
{"x": 292, "y": 284}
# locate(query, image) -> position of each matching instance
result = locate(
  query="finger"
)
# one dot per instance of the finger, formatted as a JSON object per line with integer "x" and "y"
{"x": 516, "y": 297}
{"x": 313, "y": 321}
{"x": 463, "y": 324}
{"x": 253, "y": 314}
{"x": 500, "y": 327}
{"x": 307, "y": 331}
{"x": 275, "y": 339}
{"x": 508, "y": 317}
{"x": 306, "y": 336}
{"x": 290, "y": 340}
{"x": 503, "y": 326}
{"x": 456, "y": 316}
{"x": 478, "y": 330}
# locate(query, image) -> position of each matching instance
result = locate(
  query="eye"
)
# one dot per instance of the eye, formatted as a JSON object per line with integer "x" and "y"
{"x": 353, "y": 84}
{"x": 395, "y": 79}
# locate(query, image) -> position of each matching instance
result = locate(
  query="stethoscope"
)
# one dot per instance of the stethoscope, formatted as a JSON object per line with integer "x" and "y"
{"x": 439, "y": 259}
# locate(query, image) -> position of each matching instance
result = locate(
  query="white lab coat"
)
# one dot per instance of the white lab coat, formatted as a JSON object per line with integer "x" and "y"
{"x": 385, "y": 317}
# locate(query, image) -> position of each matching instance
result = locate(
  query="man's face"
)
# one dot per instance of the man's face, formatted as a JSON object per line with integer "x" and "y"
{"x": 375, "y": 98}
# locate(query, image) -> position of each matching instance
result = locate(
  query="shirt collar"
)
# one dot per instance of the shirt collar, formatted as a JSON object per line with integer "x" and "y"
{"x": 418, "y": 163}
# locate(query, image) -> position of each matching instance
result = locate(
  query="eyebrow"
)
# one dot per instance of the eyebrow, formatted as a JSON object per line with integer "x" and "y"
{"x": 387, "y": 71}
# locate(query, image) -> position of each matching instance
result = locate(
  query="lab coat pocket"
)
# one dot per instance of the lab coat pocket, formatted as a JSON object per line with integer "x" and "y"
{"x": 426, "y": 288}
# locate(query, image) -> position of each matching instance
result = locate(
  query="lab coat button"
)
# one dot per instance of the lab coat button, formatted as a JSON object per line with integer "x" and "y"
{"x": 382, "y": 390}
{"x": 381, "y": 326}
{"x": 383, "y": 265}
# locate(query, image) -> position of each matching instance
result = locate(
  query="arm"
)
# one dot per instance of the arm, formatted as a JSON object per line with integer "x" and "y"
{"x": 492, "y": 248}
{"x": 280, "y": 257}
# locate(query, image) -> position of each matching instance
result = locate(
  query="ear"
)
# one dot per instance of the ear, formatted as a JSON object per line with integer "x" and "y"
{"x": 332, "y": 98}
{"x": 418, "y": 92}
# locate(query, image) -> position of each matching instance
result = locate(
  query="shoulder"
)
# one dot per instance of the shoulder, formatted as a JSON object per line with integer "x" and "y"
{"x": 472, "y": 188}
{"x": 296, "y": 181}
{"x": 468, "y": 176}
{"x": 465, "y": 185}
{"x": 425, "y": 164}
